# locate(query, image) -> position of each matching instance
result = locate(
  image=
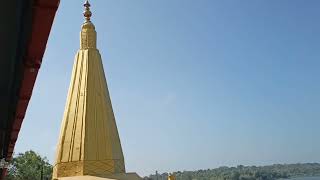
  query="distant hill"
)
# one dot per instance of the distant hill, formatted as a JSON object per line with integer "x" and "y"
{"x": 272, "y": 172}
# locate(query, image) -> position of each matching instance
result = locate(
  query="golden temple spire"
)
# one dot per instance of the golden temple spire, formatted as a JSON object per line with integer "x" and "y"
{"x": 89, "y": 144}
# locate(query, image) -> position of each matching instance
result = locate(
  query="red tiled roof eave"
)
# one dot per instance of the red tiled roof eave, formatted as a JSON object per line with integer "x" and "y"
{"x": 43, "y": 14}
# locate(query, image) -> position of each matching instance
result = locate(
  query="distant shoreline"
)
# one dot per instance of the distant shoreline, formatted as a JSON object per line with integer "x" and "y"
{"x": 299, "y": 171}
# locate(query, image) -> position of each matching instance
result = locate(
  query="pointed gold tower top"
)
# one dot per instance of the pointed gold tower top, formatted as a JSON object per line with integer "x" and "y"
{"x": 87, "y": 13}
{"x": 88, "y": 35}
{"x": 89, "y": 143}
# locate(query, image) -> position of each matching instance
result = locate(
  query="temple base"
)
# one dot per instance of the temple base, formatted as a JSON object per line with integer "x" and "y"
{"x": 122, "y": 176}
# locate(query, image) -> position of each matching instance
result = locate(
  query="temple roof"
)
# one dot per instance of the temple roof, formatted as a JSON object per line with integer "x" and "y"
{"x": 89, "y": 142}
{"x": 25, "y": 28}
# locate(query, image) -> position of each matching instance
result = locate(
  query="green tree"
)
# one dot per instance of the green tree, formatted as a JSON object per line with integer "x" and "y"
{"x": 29, "y": 166}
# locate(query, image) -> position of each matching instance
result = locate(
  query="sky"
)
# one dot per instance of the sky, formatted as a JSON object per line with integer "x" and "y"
{"x": 195, "y": 84}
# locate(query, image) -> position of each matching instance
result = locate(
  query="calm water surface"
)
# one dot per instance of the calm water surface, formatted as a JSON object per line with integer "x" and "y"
{"x": 306, "y": 178}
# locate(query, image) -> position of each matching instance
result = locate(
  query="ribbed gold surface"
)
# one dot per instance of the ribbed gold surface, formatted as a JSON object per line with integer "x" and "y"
{"x": 89, "y": 142}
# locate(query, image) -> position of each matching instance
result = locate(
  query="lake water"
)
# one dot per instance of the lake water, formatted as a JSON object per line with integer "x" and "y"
{"x": 306, "y": 178}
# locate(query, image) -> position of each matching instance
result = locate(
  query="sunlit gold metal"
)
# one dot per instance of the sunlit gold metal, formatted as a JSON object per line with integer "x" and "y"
{"x": 171, "y": 177}
{"x": 89, "y": 143}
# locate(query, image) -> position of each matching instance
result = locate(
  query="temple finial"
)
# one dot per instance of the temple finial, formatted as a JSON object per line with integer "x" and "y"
{"x": 87, "y": 13}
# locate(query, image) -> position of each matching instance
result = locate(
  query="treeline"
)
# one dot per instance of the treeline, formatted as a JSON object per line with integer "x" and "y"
{"x": 29, "y": 166}
{"x": 277, "y": 171}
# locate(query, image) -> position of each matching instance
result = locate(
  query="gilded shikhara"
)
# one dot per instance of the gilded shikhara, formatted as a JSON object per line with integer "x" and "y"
{"x": 89, "y": 143}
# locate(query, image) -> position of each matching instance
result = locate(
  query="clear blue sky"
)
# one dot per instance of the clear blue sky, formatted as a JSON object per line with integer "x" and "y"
{"x": 195, "y": 84}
